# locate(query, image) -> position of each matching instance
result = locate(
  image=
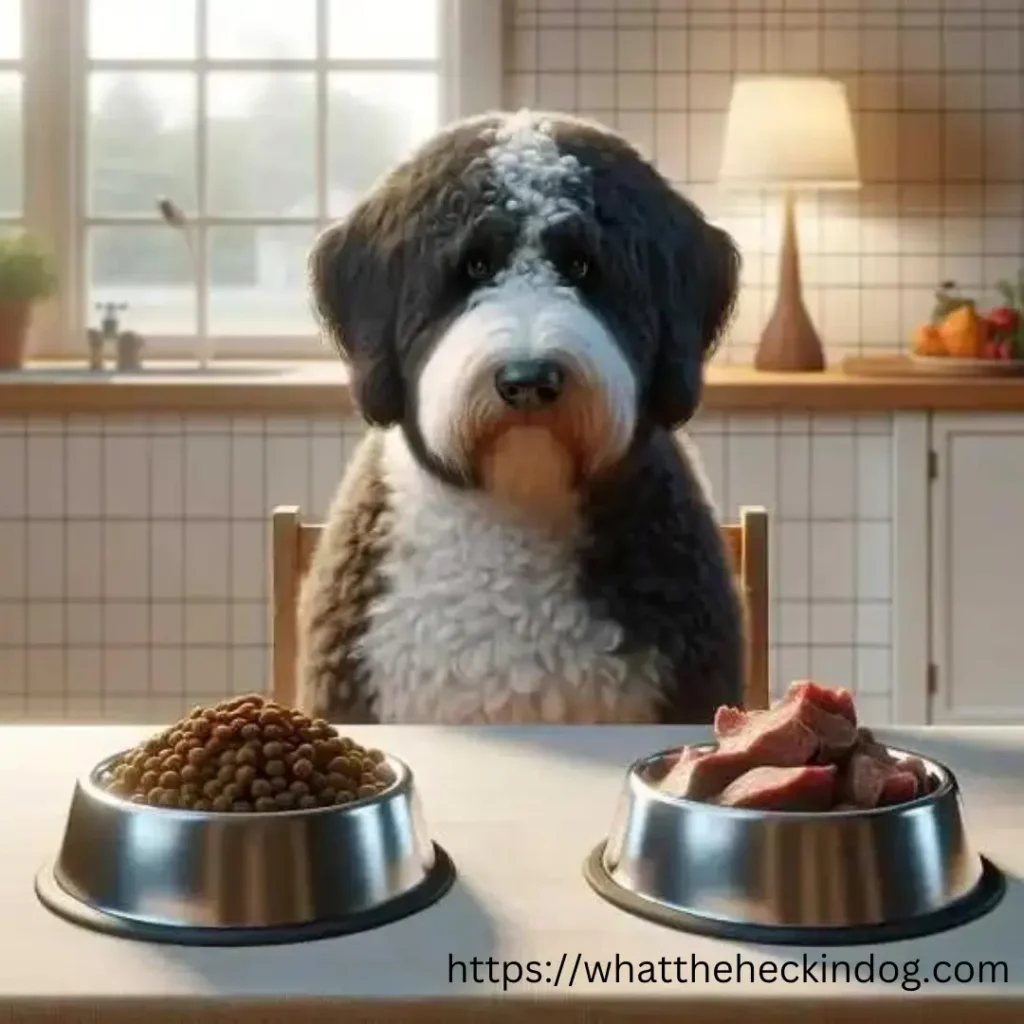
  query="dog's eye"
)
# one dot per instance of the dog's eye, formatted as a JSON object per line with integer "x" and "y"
{"x": 478, "y": 268}
{"x": 578, "y": 268}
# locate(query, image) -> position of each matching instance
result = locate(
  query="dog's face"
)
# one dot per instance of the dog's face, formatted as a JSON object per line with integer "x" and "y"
{"x": 525, "y": 296}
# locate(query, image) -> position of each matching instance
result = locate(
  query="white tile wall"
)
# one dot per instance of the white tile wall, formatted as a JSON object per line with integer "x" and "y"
{"x": 133, "y": 553}
{"x": 826, "y": 481}
{"x": 937, "y": 90}
{"x": 133, "y": 556}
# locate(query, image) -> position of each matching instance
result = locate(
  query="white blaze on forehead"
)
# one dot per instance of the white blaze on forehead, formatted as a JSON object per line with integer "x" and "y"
{"x": 527, "y": 311}
{"x": 536, "y": 182}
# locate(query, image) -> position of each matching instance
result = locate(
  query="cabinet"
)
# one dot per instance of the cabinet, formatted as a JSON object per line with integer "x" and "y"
{"x": 976, "y": 565}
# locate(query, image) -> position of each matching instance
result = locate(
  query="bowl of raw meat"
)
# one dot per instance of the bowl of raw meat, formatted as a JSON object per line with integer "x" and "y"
{"x": 797, "y": 826}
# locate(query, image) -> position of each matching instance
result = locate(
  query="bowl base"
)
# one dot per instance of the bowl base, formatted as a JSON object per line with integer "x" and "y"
{"x": 435, "y": 885}
{"x": 983, "y": 898}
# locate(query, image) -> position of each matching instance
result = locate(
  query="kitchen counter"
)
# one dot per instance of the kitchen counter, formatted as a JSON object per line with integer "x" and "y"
{"x": 880, "y": 384}
{"x": 518, "y": 809}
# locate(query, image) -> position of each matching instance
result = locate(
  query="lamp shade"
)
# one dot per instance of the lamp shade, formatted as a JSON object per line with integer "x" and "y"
{"x": 788, "y": 133}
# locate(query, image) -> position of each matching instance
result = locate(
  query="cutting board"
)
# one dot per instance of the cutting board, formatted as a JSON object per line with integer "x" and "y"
{"x": 906, "y": 366}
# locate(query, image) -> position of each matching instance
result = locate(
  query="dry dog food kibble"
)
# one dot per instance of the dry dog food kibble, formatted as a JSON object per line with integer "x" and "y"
{"x": 248, "y": 754}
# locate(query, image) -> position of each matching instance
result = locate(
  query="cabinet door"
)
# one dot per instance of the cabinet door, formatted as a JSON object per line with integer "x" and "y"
{"x": 977, "y": 564}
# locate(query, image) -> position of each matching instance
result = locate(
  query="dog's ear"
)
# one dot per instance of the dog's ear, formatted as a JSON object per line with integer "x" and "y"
{"x": 355, "y": 271}
{"x": 719, "y": 284}
{"x": 699, "y": 268}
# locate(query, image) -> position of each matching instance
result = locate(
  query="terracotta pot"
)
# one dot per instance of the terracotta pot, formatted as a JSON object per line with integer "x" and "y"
{"x": 14, "y": 322}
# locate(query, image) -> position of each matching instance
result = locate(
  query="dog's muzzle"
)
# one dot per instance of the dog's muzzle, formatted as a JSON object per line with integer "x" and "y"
{"x": 520, "y": 362}
{"x": 529, "y": 385}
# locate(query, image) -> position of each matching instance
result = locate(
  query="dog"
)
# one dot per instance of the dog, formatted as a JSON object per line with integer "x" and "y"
{"x": 525, "y": 307}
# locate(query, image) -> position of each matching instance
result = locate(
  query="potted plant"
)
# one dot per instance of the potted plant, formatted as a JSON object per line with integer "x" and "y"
{"x": 26, "y": 277}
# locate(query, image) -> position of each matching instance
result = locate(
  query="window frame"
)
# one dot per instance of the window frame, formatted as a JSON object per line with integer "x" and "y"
{"x": 17, "y": 66}
{"x": 54, "y": 68}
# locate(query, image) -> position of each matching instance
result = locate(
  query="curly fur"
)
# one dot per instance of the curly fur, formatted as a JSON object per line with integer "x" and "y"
{"x": 436, "y": 597}
{"x": 343, "y": 580}
{"x": 462, "y": 615}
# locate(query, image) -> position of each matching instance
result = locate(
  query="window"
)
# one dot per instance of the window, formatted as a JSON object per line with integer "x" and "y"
{"x": 11, "y": 150}
{"x": 260, "y": 120}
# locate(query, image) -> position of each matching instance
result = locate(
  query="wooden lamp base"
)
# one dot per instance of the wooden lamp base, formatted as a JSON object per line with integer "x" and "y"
{"x": 789, "y": 342}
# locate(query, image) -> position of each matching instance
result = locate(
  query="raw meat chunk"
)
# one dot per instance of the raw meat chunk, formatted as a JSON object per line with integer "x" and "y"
{"x": 807, "y": 788}
{"x": 809, "y": 722}
{"x": 872, "y": 777}
{"x": 806, "y": 752}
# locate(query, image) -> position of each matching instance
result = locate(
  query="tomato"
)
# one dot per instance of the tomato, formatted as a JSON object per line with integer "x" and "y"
{"x": 1003, "y": 318}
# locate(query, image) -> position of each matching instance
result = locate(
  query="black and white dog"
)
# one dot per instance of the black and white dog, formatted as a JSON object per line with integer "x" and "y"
{"x": 526, "y": 307}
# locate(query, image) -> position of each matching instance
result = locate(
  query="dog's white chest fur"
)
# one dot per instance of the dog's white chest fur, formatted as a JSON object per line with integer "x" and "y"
{"x": 482, "y": 622}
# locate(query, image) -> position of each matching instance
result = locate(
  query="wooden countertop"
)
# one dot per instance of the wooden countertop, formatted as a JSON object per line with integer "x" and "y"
{"x": 518, "y": 809}
{"x": 876, "y": 385}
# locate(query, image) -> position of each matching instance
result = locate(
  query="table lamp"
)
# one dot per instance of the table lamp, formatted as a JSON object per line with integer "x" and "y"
{"x": 783, "y": 134}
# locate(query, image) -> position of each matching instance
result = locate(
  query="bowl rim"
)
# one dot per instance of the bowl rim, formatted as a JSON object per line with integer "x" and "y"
{"x": 88, "y": 783}
{"x": 636, "y": 778}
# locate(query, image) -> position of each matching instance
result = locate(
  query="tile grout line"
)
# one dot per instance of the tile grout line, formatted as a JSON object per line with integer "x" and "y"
{"x": 65, "y": 575}
{"x": 102, "y": 567}
{"x": 26, "y": 565}
{"x": 229, "y": 668}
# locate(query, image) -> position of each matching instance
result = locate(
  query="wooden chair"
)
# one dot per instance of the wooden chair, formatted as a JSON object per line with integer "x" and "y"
{"x": 295, "y": 541}
{"x": 747, "y": 542}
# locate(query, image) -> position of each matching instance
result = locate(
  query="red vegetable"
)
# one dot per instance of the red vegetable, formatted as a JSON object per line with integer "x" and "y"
{"x": 1003, "y": 318}
{"x": 1005, "y": 350}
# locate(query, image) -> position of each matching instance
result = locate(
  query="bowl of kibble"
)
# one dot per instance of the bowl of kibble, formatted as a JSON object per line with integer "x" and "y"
{"x": 244, "y": 823}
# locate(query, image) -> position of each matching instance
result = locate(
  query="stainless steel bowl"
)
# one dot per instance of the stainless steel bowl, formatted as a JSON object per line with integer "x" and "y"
{"x": 778, "y": 877}
{"x": 201, "y": 878}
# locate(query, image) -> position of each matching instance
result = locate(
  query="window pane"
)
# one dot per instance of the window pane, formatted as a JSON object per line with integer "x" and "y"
{"x": 10, "y": 29}
{"x": 261, "y": 29}
{"x": 258, "y": 281}
{"x": 384, "y": 29}
{"x": 142, "y": 29}
{"x": 141, "y": 141}
{"x": 262, "y": 144}
{"x": 10, "y": 145}
{"x": 150, "y": 269}
{"x": 376, "y": 119}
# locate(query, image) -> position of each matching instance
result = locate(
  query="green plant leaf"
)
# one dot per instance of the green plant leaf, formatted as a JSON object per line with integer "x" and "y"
{"x": 1008, "y": 293}
{"x": 27, "y": 272}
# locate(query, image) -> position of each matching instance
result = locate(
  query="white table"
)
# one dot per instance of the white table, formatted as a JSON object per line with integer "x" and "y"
{"x": 518, "y": 809}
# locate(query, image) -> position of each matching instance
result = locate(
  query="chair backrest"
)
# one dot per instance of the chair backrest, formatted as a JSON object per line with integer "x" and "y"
{"x": 747, "y": 541}
{"x": 295, "y": 541}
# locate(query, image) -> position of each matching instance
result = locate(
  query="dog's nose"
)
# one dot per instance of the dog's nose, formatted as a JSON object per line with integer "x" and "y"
{"x": 529, "y": 383}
